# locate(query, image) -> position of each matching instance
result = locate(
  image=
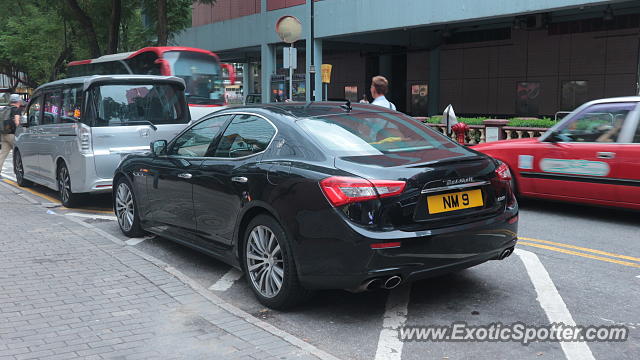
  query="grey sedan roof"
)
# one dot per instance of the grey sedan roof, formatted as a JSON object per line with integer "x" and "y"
{"x": 87, "y": 81}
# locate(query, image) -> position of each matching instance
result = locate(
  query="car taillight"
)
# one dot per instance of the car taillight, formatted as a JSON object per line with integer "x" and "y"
{"x": 342, "y": 190}
{"x": 84, "y": 135}
{"x": 503, "y": 172}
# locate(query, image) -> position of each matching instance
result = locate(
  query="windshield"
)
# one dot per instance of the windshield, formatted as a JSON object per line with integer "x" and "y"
{"x": 201, "y": 74}
{"x": 138, "y": 104}
{"x": 380, "y": 135}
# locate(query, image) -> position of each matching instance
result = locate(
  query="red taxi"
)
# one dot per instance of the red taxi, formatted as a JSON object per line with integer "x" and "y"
{"x": 592, "y": 156}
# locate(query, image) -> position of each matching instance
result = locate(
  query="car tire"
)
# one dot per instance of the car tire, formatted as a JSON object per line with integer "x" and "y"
{"x": 67, "y": 197}
{"x": 268, "y": 260}
{"x": 126, "y": 209}
{"x": 18, "y": 170}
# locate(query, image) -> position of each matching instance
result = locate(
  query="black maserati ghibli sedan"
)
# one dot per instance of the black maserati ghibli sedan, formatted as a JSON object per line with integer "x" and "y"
{"x": 320, "y": 196}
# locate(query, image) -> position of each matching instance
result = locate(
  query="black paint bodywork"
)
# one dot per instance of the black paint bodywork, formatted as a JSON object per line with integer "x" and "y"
{"x": 331, "y": 245}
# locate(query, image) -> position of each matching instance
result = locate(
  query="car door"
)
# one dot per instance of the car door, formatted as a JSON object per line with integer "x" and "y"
{"x": 27, "y": 140}
{"x": 226, "y": 180}
{"x": 48, "y": 135}
{"x": 628, "y": 158}
{"x": 579, "y": 159}
{"x": 170, "y": 186}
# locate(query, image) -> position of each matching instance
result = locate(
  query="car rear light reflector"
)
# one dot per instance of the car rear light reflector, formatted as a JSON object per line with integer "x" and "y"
{"x": 503, "y": 172}
{"x": 342, "y": 190}
{"x": 388, "y": 245}
{"x": 513, "y": 219}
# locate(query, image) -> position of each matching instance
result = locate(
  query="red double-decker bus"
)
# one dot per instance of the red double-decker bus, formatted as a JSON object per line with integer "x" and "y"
{"x": 200, "y": 69}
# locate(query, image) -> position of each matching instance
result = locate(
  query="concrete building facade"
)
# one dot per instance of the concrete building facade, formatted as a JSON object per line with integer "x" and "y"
{"x": 489, "y": 58}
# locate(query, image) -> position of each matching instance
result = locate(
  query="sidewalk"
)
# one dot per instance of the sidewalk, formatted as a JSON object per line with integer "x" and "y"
{"x": 67, "y": 291}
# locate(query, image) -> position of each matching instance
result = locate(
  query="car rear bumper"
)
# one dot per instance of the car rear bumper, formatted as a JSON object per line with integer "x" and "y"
{"x": 352, "y": 263}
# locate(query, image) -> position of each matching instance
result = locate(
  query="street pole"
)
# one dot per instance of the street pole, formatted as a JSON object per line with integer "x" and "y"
{"x": 312, "y": 68}
{"x": 291, "y": 73}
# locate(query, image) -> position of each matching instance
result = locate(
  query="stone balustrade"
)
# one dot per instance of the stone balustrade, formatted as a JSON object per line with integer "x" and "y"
{"x": 477, "y": 134}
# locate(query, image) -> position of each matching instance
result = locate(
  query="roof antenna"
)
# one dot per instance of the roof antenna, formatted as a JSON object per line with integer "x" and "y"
{"x": 347, "y": 106}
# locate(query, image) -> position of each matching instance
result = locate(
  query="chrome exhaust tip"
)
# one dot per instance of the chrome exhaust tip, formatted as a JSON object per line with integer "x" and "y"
{"x": 505, "y": 254}
{"x": 367, "y": 286}
{"x": 392, "y": 282}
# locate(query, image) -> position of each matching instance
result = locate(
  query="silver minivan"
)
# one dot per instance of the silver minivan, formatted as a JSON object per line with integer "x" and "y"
{"x": 75, "y": 131}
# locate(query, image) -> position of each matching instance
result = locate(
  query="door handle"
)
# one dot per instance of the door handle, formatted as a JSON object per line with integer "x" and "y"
{"x": 185, "y": 176}
{"x": 239, "y": 179}
{"x": 606, "y": 155}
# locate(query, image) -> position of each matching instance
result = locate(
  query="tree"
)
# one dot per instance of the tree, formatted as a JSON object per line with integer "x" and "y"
{"x": 85, "y": 21}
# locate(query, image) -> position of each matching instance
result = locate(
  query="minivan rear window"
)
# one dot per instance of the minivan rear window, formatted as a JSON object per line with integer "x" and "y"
{"x": 138, "y": 104}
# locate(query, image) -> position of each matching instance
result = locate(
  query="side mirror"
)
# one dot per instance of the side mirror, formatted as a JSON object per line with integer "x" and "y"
{"x": 159, "y": 147}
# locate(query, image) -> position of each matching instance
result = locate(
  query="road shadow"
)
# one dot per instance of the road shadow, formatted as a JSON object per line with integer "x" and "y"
{"x": 589, "y": 212}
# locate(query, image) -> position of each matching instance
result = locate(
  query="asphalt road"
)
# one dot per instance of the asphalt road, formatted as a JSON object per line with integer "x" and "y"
{"x": 591, "y": 255}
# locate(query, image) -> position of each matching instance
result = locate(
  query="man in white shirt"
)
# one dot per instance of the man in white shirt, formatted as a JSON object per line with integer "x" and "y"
{"x": 379, "y": 87}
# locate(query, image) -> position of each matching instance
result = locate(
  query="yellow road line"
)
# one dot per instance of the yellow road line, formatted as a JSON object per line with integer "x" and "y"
{"x": 53, "y": 200}
{"x": 582, "y": 249}
{"x": 589, "y": 256}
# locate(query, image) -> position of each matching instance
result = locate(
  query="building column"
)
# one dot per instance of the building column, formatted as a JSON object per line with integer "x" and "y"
{"x": 246, "y": 80}
{"x": 268, "y": 63}
{"x": 434, "y": 82}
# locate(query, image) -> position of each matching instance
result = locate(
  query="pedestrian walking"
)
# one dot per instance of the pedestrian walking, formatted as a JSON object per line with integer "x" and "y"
{"x": 10, "y": 118}
{"x": 379, "y": 88}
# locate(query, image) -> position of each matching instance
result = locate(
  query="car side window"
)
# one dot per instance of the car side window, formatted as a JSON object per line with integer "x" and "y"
{"x": 33, "y": 111}
{"x": 72, "y": 99}
{"x": 636, "y": 137}
{"x": 52, "y": 104}
{"x": 246, "y": 135}
{"x": 597, "y": 123}
{"x": 198, "y": 141}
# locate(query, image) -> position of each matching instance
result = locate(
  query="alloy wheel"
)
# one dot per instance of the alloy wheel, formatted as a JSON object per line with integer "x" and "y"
{"x": 64, "y": 184}
{"x": 264, "y": 261}
{"x": 17, "y": 167}
{"x": 124, "y": 207}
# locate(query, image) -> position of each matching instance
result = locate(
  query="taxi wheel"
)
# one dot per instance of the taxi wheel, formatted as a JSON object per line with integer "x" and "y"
{"x": 269, "y": 265}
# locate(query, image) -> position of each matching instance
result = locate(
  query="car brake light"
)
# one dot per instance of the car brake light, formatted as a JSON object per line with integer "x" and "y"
{"x": 503, "y": 172}
{"x": 342, "y": 190}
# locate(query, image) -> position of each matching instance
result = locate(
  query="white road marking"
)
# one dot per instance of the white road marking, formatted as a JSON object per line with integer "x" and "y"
{"x": 638, "y": 276}
{"x": 552, "y": 303}
{"x": 395, "y": 316}
{"x": 136, "y": 241}
{"x": 226, "y": 281}
{"x": 93, "y": 216}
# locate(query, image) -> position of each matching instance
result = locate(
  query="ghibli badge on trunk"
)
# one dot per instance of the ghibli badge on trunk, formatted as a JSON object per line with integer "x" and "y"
{"x": 465, "y": 180}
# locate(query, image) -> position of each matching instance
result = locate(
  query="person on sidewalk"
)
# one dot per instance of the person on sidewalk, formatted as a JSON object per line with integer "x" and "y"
{"x": 379, "y": 88}
{"x": 8, "y": 137}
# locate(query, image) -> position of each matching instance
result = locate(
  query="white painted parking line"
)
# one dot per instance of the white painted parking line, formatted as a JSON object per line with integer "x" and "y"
{"x": 395, "y": 316}
{"x": 227, "y": 280}
{"x": 93, "y": 216}
{"x": 552, "y": 303}
{"x": 136, "y": 241}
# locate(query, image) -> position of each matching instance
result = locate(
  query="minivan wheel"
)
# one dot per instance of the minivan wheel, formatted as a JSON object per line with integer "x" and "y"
{"x": 67, "y": 197}
{"x": 18, "y": 170}
{"x": 124, "y": 203}
{"x": 269, "y": 264}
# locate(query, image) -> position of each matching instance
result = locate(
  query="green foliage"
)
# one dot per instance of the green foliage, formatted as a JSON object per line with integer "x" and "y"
{"x": 38, "y": 37}
{"x": 515, "y": 122}
{"x": 532, "y": 123}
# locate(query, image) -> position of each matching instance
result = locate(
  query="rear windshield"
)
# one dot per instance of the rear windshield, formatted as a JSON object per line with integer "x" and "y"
{"x": 379, "y": 134}
{"x": 138, "y": 104}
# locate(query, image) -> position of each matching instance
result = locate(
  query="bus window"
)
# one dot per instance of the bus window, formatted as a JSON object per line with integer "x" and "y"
{"x": 144, "y": 64}
{"x": 201, "y": 74}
